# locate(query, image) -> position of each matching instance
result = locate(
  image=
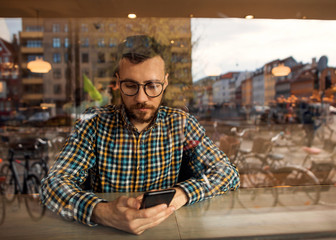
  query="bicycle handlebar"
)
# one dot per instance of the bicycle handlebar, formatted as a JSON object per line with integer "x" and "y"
{"x": 239, "y": 134}
{"x": 276, "y": 137}
{"x": 42, "y": 142}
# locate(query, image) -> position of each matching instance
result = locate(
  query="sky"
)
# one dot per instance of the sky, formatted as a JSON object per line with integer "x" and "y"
{"x": 222, "y": 45}
{"x": 228, "y": 44}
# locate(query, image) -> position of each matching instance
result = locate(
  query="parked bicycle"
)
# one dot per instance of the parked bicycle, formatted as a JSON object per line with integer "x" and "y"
{"x": 40, "y": 153}
{"x": 29, "y": 186}
{"x": 322, "y": 162}
{"x": 271, "y": 170}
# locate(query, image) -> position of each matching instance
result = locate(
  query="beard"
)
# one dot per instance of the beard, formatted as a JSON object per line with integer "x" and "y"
{"x": 140, "y": 117}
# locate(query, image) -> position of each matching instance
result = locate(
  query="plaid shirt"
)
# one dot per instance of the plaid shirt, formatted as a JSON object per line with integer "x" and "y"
{"x": 120, "y": 159}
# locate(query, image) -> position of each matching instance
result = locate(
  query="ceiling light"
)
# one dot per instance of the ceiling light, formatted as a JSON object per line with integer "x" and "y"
{"x": 249, "y": 16}
{"x": 39, "y": 66}
{"x": 132, "y": 15}
{"x": 281, "y": 70}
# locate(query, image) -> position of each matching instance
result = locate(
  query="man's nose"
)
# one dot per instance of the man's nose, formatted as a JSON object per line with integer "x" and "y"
{"x": 141, "y": 96}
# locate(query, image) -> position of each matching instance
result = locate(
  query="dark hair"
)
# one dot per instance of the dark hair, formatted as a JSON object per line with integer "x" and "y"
{"x": 139, "y": 48}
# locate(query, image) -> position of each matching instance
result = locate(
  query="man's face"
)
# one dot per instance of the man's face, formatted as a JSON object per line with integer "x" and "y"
{"x": 141, "y": 108}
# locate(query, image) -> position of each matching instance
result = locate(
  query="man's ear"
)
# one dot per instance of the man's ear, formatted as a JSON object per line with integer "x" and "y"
{"x": 166, "y": 80}
{"x": 118, "y": 79}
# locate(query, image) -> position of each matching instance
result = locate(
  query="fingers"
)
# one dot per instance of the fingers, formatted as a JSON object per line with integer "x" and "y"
{"x": 151, "y": 217}
{"x": 128, "y": 217}
{"x": 128, "y": 202}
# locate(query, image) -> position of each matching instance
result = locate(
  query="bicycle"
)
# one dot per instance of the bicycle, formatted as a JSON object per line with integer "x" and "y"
{"x": 322, "y": 164}
{"x": 285, "y": 174}
{"x": 40, "y": 167}
{"x": 249, "y": 171}
{"x": 29, "y": 187}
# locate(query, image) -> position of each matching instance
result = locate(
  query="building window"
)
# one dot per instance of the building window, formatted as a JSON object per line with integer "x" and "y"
{"x": 85, "y": 42}
{"x": 34, "y": 29}
{"x": 113, "y": 57}
{"x": 101, "y": 42}
{"x": 112, "y": 27}
{"x": 66, "y": 27}
{"x": 112, "y": 42}
{"x": 101, "y": 57}
{"x": 84, "y": 27}
{"x": 57, "y": 89}
{"x": 56, "y": 58}
{"x": 66, "y": 42}
{"x": 56, "y": 27}
{"x": 85, "y": 57}
{"x": 101, "y": 73}
{"x": 66, "y": 57}
{"x": 56, "y": 42}
{"x": 34, "y": 43}
{"x": 57, "y": 74}
{"x": 33, "y": 57}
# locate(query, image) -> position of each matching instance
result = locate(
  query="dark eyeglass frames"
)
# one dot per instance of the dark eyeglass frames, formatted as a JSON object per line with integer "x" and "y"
{"x": 131, "y": 88}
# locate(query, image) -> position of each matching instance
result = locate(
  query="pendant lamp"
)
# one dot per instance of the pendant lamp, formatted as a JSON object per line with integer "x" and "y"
{"x": 281, "y": 70}
{"x": 39, "y": 66}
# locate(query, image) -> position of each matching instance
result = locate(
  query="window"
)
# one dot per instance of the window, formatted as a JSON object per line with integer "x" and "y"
{"x": 101, "y": 57}
{"x": 66, "y": 42}
{"x": 66, "y": 57}
{"x": 57, "y": 74}
{"x": 57, "y": 88}
{"x": 66, "y": 27}
{"x": 32, "y": 57}
{"x": 34, "y": 28}
{"x": 56, "y": 42}
{"x": 84, "y": 27}
{"x": 56, "y": 57}
{"x": 56, "y": 27}
{"x": 85, "y": 42}
{"x": 112, "y": 27}
{"x": 113, "y": 57}
{"x": 101, "y": 42}
{"x": 112, "y": 42}
{"x": 85, "y": 57}
{"x": 101, "y": 73}
{"x": 34, "y": 43}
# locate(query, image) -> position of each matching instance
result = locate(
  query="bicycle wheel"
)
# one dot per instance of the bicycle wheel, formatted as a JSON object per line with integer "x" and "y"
{"x": 39, "y": 170}
{"x": 297, "y": 186}
{"x": 9, "y": 186}
{"x": 32, "y": 200}
{"x": 260, "y": 190}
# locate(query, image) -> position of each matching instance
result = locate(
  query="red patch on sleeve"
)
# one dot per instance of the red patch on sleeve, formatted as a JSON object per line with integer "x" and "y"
{"x": 191, "y": 144}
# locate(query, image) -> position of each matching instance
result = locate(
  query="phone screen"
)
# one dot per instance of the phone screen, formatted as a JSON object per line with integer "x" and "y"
{"x": 154, "y": 198}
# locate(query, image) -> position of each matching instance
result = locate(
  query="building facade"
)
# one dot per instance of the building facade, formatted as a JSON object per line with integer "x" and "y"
{"x": 9, "y": 79}
{"x": 89, "y": 46}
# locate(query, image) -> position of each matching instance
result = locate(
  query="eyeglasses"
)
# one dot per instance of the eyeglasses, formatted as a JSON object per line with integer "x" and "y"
{"x": 131, "y": 88}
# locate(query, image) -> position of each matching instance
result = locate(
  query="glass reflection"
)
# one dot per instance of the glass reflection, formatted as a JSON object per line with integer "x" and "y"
{"x": 301, "y": 104}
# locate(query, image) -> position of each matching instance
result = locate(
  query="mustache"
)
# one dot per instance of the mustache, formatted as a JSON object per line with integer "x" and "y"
{"x": 141, "y": 106}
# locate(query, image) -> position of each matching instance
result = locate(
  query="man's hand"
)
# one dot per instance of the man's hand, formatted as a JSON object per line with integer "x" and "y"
{"x": 124, "y": 214}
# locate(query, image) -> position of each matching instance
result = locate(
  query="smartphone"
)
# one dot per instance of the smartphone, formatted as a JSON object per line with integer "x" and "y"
{"x": 151, "y": 199}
